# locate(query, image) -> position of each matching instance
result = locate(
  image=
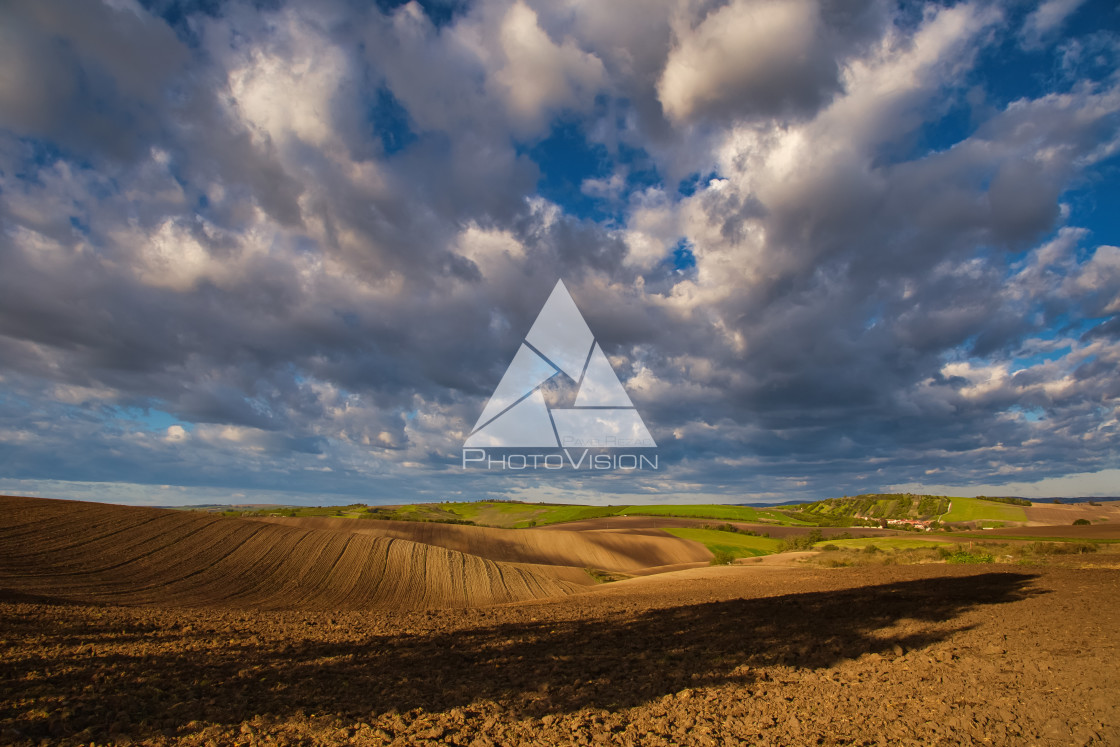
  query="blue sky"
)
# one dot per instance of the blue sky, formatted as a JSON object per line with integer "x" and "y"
{"x": 284, "y": 251}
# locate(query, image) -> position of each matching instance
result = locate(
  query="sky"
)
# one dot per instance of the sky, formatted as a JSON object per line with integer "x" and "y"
{"x": 283, "y": 251}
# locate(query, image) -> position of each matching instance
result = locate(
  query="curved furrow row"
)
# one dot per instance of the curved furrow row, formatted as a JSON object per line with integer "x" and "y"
{"x": 122, "y": 555}
{"x": 609, "y": 551}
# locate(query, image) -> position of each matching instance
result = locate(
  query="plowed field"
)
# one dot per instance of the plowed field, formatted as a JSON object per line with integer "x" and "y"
{"x": 622, "y": 551}
{"x": 1066, "y": 514}
{"x": 89, "y": 552}
{"x": 765, "y": 653}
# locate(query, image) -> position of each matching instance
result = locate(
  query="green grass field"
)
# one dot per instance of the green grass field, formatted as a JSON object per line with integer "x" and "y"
{"x": 521, "y": 515}
{"x": 975, "y": 509}
{"x": 739, "y": 545}
{"x": 725, "y": 513}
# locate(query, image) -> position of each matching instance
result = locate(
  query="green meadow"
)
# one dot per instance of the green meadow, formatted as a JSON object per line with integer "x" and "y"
{"x": 738, "y": 545}
{"x": 978, "y": 509}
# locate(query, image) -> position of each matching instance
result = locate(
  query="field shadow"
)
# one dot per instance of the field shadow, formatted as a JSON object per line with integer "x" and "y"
{"x": 534, "y": 668}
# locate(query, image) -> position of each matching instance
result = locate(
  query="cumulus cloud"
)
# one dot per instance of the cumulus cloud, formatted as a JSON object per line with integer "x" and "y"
{"x": 753, "y": 58}
{"x": 294, "y": 248}
{"x": 538, "y": 76}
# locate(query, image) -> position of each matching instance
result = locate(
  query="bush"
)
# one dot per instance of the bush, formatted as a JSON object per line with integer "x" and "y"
{"x": 1081, "y": 523}
{"x": 872, "y": 549}
{"x": 830, "y": 548}
{"x": 722, "y": 557}
{"x": 960, "y": 555}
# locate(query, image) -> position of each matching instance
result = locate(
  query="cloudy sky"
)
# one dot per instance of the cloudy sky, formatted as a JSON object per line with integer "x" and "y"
{"x": 285, "y": 250}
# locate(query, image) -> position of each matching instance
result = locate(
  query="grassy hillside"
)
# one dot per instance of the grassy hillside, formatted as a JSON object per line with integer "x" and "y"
{"x": 979, "y": 509}
{"x": 521, "y": 515}
{"x": 724, "y": 513}
{"x": 832, "y": 512}
{"x": 738, "y": 545}
{"x": 847, "y": 511}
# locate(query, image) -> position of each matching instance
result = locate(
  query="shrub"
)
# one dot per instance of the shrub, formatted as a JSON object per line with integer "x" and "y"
{"x": 1081, "y": 523}
{"x": 722, "y": 557}
{"x": 830, "y": 548}
{"x": 969, "y": 557}
{"x": 872, "y": 549}
{"x": 804, "y": 542}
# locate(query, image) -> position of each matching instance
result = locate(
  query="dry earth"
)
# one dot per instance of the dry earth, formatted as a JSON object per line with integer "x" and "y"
{"x": 1058, "y": 514}
{"x": 623, "y": 551}
{"x": 751, "y": 654}
{"x": 1092, "y": 532}
{"x": 92, "y": 552}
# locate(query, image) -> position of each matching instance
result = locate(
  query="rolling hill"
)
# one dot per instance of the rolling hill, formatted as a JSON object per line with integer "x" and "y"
{"x": 619, "y": 551}
{"x": 98, "y": 553}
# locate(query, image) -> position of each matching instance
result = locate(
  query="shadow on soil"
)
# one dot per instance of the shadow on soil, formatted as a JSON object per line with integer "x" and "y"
{"x": 535, "y": 668}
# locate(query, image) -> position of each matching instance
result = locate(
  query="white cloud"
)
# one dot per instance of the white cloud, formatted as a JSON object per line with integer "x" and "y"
{"x": 537, "y": 77}
{"x": 1076, "y": 485}
{"x": 317, "y": 247}
{"x": 761, "y": 50}
{"x": 285, "y": 88}
{"x": 1046, "y": 18}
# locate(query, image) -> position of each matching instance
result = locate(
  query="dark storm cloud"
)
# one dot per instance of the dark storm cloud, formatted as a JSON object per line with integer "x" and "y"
{"x": 69, "y": 62}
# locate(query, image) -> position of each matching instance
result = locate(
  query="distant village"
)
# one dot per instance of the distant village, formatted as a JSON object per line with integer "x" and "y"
{"x": 914, "y": 525}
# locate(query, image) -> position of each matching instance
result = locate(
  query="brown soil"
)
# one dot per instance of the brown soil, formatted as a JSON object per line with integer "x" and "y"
{"x": 611, "y": 551}
{"x": 92, "y": 552}
{"x": 1067, "y": 513}
{"x": 1066, "y": 531}
{"x": 748, "y": 654}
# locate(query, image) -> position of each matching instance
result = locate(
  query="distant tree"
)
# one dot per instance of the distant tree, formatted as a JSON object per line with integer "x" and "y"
{"x": 722, "y": 557}
{"x": 1081, "y": 523}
